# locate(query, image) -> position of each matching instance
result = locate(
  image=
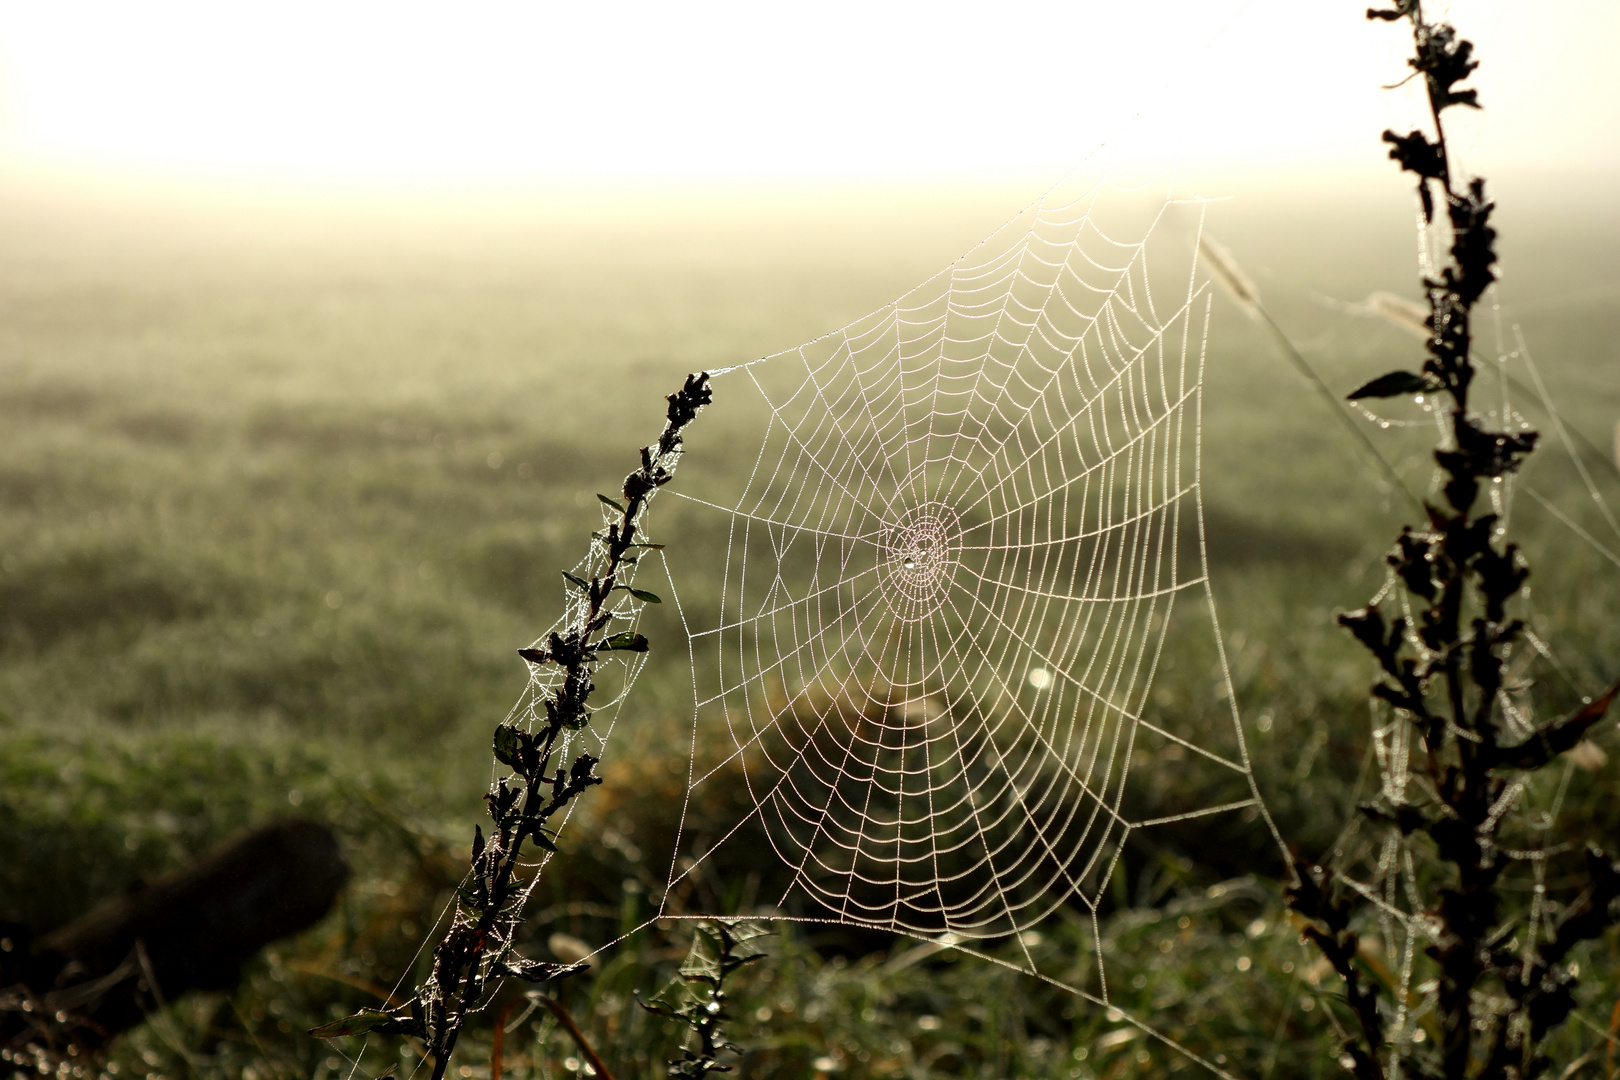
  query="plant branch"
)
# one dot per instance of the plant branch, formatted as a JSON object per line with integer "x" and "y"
{"x": 1442, "y": 666}
{"x": 478, "y": 949}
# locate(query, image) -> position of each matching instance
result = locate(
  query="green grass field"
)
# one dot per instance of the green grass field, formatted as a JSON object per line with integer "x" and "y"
{"x": 283, "y": 486}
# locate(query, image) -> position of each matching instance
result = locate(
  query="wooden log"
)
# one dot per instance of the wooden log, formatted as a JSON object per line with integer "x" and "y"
{"x": 191, "y": 930}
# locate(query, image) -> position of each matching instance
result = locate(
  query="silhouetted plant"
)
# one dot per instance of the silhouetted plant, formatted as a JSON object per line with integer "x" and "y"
{"x": 478, "y": 950}
{"x": 1443, "y": 664}
{"x": 717, "y": 951}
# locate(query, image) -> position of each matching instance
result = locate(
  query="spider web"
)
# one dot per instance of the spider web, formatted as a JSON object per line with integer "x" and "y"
{"x": 930, "y": 586}
{"x": 924, "y": 640}
{"x": 923, "y": 643}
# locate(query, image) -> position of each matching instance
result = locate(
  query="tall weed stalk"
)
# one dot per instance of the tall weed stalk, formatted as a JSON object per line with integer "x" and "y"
{"x": 1443, "y": 633}
{"x": 478, "y": 950}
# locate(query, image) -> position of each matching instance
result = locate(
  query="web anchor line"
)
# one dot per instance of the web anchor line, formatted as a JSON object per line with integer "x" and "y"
{"x": 925, "y": 651}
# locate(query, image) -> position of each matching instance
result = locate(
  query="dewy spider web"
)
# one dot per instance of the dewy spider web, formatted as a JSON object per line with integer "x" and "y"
{"x": 924, "y": 643}
{"x": 924, "y": 647}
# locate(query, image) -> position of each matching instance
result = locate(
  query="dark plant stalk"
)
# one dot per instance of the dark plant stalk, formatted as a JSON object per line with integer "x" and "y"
{"x": 478, "y": 949}
{"x": 1444, "y": 673}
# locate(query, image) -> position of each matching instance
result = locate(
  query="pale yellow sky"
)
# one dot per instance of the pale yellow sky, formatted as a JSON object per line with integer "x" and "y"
{"x": 399, "y": 91}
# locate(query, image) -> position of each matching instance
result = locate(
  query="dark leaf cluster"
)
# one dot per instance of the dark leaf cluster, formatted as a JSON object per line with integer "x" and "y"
{"x": 1401, "y": 10}
{"x": 1479, "y": 455}
{"x": 1445, "y": 60}
{"x": 1473, "y": 244}
{"x": 1417, "y": 154}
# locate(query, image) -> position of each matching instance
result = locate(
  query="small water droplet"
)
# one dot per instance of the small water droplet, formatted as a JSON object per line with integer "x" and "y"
{"x": 910, "y": 564}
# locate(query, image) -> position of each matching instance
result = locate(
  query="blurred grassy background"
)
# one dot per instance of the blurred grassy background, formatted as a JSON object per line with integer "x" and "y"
{"x": 284, "y": 484}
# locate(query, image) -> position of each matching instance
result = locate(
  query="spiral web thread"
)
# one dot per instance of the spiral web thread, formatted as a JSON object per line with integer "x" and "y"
{"x": 946, "y": 584}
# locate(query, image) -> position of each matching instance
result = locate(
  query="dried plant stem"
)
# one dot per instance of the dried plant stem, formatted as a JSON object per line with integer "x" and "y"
{"x": 478, "y": 949}
{"x": 1443, "y": 670}
{"x": 497, "y": 1050}
{"x": 584, "y": 1044}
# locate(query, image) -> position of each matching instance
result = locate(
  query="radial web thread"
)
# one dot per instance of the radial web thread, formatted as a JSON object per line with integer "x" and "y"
{"x": 946, "y": 583}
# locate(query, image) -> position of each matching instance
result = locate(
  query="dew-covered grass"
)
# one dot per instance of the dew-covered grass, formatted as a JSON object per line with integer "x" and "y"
{"x": 283, "y": 486}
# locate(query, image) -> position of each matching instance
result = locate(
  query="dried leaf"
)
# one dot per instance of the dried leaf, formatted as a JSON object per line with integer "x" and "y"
{"x": 1394, "y": 384}
{"x": 1555, "y": 738}
{"x": 507, "y": 741}
{"x": 368, "y": 1020}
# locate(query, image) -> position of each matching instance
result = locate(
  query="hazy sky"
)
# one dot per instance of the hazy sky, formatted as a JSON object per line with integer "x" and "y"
{"x": 825, "y": 90}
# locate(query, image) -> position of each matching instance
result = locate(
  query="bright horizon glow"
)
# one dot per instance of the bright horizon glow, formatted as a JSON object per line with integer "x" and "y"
{"x": 368, "y": 92}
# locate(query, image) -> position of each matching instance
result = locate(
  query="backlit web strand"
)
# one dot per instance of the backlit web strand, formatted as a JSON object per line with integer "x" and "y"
{"x": 949, "y": 576}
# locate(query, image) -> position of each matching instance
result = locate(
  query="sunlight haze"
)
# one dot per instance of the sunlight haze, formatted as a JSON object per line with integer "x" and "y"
{"x": 403, "y": 92}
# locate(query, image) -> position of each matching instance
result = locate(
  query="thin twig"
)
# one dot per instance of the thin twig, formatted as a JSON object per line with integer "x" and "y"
{"x": 579, "y": 1036}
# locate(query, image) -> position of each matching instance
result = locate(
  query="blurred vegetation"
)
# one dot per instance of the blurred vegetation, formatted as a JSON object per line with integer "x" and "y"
{"x": 282, "y": 489}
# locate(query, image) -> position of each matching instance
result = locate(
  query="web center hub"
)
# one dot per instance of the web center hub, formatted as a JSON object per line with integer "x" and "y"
{"x": 919, "y": 560}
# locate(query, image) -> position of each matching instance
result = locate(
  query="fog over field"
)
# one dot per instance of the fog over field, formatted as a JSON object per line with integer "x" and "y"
{"x": 1001, "y": 674}
{"x": 287, "y": 478}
